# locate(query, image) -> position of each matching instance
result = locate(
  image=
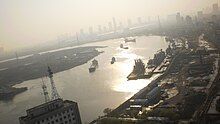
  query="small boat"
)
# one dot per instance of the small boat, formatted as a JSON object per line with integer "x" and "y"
{"x": 121, "y": 46}
{"x": 125, "y": 47}
{"x": 113, "y": 60}
{"x": 129, "y": 40}
{"x": 93, "y": 66}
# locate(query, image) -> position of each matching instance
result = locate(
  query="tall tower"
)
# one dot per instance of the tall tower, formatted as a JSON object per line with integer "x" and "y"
{"x": 45, "y": 92}
{"x": 159, "y": 23}
{"x": 114, "y": 24}
{"x": 54, "y": 93}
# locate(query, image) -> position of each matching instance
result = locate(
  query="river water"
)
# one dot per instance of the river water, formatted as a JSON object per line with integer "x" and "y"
{"x": 106, "y": 87}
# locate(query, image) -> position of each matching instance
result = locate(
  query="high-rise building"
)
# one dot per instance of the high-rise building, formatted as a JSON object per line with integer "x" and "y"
{"x": 104, "y": 29}
{"x": 54, "y": 110}
{"x": 129, "y": 23}
{"x": 99, "y": 29}
{"x": 139, "y": 20}
{"x": 110, "y": 28}
{"x": 215, "y": 8}
{"x": 1, "y": 49}
{"x": 91, "y": 31}
{"x": 57, "y": 111}
{"x": 120, "y": 26}
{"x": 200, "y": 15}
{"x": 82, "y": 32}
{"x": 114, "y": 24}
{"x": 178, "y": 18}
{"x": 189, "y": 20}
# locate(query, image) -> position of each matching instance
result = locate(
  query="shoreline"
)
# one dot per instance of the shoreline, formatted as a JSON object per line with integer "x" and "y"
{"x": 37, "y": 65}
{"x": 123, "y": 108}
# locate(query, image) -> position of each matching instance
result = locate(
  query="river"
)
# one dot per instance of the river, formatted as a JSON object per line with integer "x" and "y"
{"x": 106, "y": 87}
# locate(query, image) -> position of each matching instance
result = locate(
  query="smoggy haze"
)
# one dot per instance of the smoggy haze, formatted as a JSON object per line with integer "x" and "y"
{"x": 27, "y": 22}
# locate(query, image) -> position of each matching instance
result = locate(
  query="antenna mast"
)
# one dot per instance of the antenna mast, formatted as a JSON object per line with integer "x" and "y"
{"x": 44, "y": 87}
{"x": 54, "y": 93}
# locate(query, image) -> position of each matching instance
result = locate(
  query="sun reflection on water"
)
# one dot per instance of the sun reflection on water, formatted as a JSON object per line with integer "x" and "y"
{"x": 125, "y": 67}
{"x": 132, "y": 86}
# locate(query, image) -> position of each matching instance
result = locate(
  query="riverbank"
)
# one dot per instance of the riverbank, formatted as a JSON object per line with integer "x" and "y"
{"x": 177, "y": 90}
{"x": 17, "y": 71}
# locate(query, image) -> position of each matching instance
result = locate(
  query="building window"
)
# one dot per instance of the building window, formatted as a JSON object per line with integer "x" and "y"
{"x": 64, "y": 117}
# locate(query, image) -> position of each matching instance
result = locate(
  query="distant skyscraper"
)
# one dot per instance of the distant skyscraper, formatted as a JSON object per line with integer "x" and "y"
{"x": 1, "y": 49}
{"x": 200, "y": 14}
{"x": 82, "y": 32}
{"x": 129, "y": 23}
{"x": 91, "y": 30}
{"x": 214, "y": 19}
{"x": 189, "y": 20}
{"x": 99, "y": 28}
{"x": 104, "y": 29}
{"x": 149, "y": 19}
{"x": 215, "y": 8}
{"x": 178, "y": 18}
{"x": 110, "y": 28}
{"x": 114, "y": 24}
{"x": 139, "y": 20}
{"x": 159, "y": 23}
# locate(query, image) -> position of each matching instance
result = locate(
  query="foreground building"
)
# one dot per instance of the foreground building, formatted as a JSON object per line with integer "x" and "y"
{"x": 53, "y": 112}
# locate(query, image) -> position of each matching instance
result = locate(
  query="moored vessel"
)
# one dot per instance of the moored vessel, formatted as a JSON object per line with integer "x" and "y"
{"x": 93, "y": 66}
{"x": 113, "y": 60}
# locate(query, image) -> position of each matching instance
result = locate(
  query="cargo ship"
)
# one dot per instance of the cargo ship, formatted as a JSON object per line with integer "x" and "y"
{"x": 93, "y": 66}
{"x": 129, "y": 40}
{"x": 138, "y": 70}
{"x": 157, "y": 60}
{"x": 113, "y": 60}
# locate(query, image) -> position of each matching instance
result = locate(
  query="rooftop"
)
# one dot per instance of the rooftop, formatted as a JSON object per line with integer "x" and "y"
{"x": 40, "y": 111}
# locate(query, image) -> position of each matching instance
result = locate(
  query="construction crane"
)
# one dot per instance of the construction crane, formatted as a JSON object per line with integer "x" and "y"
{"x": 54, "y": 93}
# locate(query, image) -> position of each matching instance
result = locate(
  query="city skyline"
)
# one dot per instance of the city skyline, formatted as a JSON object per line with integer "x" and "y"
{"x": 30, "y": 22}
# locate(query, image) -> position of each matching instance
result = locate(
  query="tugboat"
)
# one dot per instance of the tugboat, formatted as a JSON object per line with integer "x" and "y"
{"x": 129, "y": 40}
{"x": 113, "y": 60}
{"x": 123, "y": 47}
{"x": 93, "y": 66}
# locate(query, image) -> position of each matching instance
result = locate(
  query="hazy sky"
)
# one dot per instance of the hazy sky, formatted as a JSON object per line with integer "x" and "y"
{"x": 27, "y": 22}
